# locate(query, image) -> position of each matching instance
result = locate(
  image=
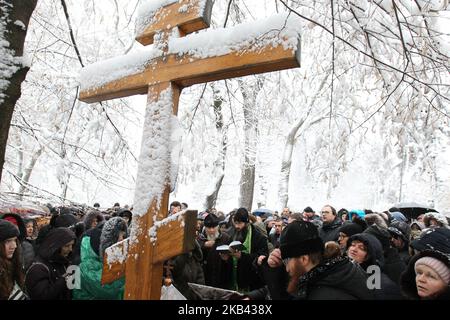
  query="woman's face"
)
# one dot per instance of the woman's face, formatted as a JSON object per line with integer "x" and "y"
{"x": 67, "y": 249}
{"x": 357, "y": 251}
{"x": 30, "y": 229}
{"x": 428, "y": 282}
{"x": 10, "y": 247}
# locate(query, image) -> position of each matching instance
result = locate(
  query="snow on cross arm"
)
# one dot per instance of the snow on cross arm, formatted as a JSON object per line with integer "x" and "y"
{"x": 148, "y": 8}
{"x": 280, "y": 29}
{"x": 100, "y": 73}
{"x": 153, "y": 231}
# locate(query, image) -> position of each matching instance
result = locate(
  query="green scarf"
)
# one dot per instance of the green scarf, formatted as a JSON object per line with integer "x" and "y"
{"x": 248, "y": 249}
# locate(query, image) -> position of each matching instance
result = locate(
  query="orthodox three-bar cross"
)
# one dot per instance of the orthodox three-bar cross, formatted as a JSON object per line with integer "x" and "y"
{"x": 169, "y": 72}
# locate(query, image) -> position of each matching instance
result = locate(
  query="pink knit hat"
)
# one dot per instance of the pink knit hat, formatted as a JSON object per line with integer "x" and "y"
{"x": 438, "y": 266}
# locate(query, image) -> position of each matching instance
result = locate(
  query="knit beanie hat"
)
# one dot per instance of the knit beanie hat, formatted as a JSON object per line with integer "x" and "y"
{"x": 438, "y": 266}
{"x": 8, "y": 230}
{"x": 300, "y": 238}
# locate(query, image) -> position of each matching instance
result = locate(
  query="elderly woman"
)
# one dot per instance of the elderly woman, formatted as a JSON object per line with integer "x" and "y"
{"x": 427, "y": 277}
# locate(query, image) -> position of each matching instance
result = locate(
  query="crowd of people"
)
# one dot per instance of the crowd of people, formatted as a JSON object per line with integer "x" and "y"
{"x": 344, "y": 254}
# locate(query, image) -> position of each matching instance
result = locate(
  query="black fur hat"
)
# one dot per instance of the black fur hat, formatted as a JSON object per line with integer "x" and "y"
{"x": 300, "y": 238}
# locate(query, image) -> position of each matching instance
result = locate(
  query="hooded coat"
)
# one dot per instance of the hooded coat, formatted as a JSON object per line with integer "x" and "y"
{"x": 91, "y": 266}
{"x": 388, "y": 290}
{"x": 408, "y": 279}
{"x": 45, "y": 277}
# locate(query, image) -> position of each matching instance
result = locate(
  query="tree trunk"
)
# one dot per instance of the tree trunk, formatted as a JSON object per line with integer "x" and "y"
{"x": 28, "y": 170}
{"x": 283, "y": 187}
{"x": 247, "y": 183}
{"x": 211, "y": 199}
{"x": 12, "y": 35}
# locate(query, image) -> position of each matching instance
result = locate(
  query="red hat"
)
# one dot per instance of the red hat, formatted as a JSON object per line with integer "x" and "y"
{"x": 11, "y": 219}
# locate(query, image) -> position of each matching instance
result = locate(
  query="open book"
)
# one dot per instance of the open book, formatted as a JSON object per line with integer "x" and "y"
{"x": 212, "y": 293}
{"x": 234, "y": 246}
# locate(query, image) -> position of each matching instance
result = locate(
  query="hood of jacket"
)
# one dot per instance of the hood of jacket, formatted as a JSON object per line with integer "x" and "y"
{"x": 375, "y": 254}
{"x": 55, "y": 240}
{"x": 19, "y": 222}
{"x": 110, "y": 233}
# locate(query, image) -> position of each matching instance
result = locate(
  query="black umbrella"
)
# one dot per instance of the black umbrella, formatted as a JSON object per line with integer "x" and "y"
{"x": 411, "y": 210}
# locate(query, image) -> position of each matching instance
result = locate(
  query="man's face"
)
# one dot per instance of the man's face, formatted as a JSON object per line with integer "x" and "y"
{"x": 211, "y": 231}
{"x": 278, "y": 227}
{"x": 397, "y": 242}
{"x": 327, "y": 215}
{"x": 308, "y": 215}
{"x": 239, "y": 226}
{"x": 295, "y": 268}
{"x": 285, "y": 212}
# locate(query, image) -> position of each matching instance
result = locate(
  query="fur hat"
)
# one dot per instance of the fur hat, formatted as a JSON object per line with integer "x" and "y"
{"x": 110, "y": 233}
{"x": 211, "y": 221}
{"x": 381, "y": 234}
{"x": 374, "y": 218}
{"x": 300, "y": 238}
{"x": 437, "y": 239}
{"x": 400, "y": 229}
{"x": 440, "y": 218}
{"x": 8, "y": 230}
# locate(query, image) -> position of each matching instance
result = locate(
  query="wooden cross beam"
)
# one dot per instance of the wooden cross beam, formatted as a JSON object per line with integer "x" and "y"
{"x": 162, "y": 72}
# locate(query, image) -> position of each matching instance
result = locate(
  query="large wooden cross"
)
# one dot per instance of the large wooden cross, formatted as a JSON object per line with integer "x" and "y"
{"x": 140, "y": 259}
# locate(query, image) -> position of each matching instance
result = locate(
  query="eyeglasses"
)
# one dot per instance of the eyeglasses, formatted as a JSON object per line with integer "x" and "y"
{"x": 286, "y": 261}
{"x": 325, "y": 212}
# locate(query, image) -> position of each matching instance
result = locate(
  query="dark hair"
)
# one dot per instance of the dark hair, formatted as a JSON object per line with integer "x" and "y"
{"x": 333, "y": 210}
{"x": 10, "y": 270}
{"x": 175, "y": 204}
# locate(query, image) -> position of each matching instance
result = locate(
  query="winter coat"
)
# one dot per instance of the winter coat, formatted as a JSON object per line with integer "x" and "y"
{"x": 388, "y": 290}
{"x": 393, "y": 264}
{"x": 275, "y": 280}
{"x": 336, "y": 279}
{"x": 91, "y": 269}
{"x": 247, "y": 276}
{"x": 44, "y": 279}
{"x": 408, "y": 279}
{"x": 330, "y": 231}
{"x": 186, "y": 268}
{"x": 217, "y": 271}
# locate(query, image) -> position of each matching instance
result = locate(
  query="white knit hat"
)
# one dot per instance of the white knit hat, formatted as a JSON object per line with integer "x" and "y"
{"x": 438, "y": 266}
